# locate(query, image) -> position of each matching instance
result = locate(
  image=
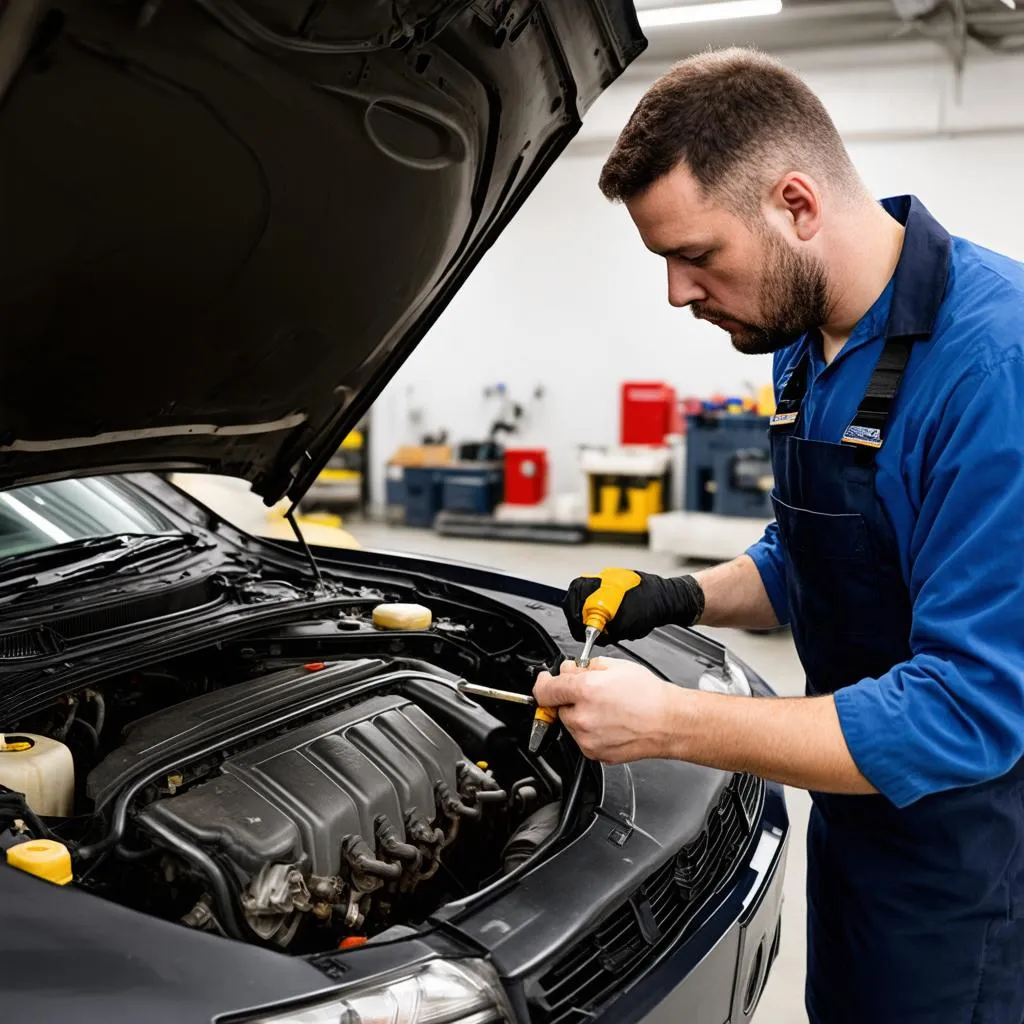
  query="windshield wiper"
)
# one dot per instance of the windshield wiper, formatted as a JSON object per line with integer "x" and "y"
{"x": 92, "y": 556}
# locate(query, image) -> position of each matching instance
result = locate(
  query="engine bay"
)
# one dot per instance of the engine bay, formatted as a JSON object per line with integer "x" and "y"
{"x": 307, "y": 788}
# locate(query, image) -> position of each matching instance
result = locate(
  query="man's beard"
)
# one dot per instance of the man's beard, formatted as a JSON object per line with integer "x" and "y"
{"x": 794, "y": 297}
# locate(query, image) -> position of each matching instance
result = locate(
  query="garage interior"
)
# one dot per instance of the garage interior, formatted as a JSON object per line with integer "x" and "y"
{"x": 561, "y": 349}
{"x": 561, "y": 343}
{"x": 560, "y": 416}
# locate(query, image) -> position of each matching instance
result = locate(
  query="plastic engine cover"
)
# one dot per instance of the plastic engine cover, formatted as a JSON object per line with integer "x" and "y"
{"x": 305, "y": 791}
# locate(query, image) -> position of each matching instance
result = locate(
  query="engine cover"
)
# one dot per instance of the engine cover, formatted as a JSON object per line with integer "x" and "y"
{"x": 300, "y": 797}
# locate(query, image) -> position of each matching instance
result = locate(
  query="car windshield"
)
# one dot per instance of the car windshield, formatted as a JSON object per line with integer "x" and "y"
{"x": 46, "y": 515}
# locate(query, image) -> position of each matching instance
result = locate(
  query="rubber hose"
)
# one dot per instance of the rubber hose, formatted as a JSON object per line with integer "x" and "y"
{"x": 90, "y": 732}
{"x": 378, "y": 868}
{"x": 491, "y": 796}
{"x": 223, "y": 898}
{"x": 101, "y": 710}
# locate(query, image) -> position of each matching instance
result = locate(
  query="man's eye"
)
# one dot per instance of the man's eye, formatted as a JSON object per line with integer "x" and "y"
{"x": 701, "y": 260}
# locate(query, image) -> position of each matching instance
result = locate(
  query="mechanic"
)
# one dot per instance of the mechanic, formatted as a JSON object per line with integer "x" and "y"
{"x": 896, "y": 552}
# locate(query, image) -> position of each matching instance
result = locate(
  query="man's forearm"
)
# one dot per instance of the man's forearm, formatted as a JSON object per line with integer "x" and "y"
{"x": 796, "y": 741}
{"x": 735, "y": 596}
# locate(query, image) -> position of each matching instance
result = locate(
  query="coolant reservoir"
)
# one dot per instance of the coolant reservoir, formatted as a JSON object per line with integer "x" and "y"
{"x": 40, "y": 768}
{"x": 402, "y": 616}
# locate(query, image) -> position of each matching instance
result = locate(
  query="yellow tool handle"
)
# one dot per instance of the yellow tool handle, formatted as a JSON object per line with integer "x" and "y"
{"x": 543, "y": 719}
{"x": 546, "y": 715}
{"x": 600, "y": 608}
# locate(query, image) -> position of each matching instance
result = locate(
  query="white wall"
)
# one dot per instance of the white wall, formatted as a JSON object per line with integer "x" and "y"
{"x": 568, "y": 297}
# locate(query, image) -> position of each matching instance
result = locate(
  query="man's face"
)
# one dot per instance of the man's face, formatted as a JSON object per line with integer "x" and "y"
{"x": 746, "y": 278}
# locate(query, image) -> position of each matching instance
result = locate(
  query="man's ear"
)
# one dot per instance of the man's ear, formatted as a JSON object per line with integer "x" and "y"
{"x": 796, "y": 202}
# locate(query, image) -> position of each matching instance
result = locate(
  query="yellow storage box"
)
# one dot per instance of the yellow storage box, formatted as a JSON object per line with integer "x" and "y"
{"x": 623, "y": 504}
{"x": 625, "y": 487}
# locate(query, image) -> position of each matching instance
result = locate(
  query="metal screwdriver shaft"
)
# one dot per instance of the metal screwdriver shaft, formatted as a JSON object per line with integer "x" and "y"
{"x": 475, "y": 690}
{"x": 588, "y": 646}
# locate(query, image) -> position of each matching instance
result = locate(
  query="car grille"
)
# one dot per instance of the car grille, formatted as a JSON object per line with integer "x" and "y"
{"x": 658, "y": 913}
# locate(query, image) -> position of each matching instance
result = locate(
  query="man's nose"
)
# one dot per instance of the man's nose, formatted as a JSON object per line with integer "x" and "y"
{"x": 683, "y": 289}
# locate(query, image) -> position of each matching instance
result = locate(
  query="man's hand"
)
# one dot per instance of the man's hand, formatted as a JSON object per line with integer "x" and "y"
{"x": 654, "y": 601}
{"x": 616, "y": 710}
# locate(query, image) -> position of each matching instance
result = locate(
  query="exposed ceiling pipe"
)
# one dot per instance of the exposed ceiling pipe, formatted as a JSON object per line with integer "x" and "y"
{"x": 955, "y": 25}
{"x": 910, "y": 10}
{"x": 1009, "y": 19}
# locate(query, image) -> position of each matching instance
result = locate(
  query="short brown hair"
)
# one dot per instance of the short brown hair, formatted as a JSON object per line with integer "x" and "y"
{"x": 735, "y": 117}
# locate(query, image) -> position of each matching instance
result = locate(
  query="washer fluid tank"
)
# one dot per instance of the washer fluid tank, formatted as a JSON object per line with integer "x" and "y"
{"x": 42, "y": 769}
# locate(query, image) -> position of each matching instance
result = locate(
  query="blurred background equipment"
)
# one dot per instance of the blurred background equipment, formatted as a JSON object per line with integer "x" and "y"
{"x": 343, "y": 485}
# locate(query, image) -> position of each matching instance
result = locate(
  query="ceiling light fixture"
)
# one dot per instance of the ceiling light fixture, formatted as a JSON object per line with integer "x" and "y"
{"x": 721, "y": 10}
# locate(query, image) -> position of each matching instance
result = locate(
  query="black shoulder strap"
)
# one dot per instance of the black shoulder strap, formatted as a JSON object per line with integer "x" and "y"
{"x": 793, "y": 391}
{"x": 868, "y": 426}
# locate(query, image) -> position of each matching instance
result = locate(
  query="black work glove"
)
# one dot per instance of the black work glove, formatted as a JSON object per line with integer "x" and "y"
{"x": 654, "y": 601}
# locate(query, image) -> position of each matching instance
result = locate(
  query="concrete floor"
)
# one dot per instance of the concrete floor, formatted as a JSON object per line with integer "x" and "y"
{"x": 772, "y": 656}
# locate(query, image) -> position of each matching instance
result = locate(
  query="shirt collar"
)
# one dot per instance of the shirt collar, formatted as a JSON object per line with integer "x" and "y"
{"x": 909, "y": 303}
{"x": 919, "y": 283}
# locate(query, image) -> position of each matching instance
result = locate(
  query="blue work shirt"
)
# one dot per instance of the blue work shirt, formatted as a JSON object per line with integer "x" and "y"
{"x": 950, "y": 477}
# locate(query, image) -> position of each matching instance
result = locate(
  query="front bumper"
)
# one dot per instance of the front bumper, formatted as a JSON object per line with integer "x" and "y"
{"x": 712, "y": 970}
{"x": 726, "y": 983}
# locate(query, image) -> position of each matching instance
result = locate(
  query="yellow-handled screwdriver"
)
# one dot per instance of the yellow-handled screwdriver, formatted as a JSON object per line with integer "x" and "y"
{"x": 598, "y": 610}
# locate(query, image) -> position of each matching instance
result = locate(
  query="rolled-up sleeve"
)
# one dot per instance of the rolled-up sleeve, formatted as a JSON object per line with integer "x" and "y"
{"x": 768, "y": 557}
{"x": 953, "y": 715}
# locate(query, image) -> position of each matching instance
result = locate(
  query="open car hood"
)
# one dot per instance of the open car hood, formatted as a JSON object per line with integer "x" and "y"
{"x": 226, "y": 223}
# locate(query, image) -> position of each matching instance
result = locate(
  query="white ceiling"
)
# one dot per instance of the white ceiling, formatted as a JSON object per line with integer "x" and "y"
{"x": 961, "y": 27}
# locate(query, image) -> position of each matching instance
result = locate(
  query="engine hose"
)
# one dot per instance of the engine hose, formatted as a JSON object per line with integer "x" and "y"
{"x": 551, "y": 777}
{"x": 568, "y": 812}
{"x": 392, "y": 845}
{"x": 62, "y": 733}
{"x": 220, "y": 889}
{"x": 126, "y": 853}
{"x": 377, "y": 868}
{"x": 464, "y": 810}
{"x": 422, "y": 833}
{"x": 101, "y": 709}
{"x": 491, "y": 796}
{"x": 453, "y": 829}
{"x": 21, "y": 809}
{"x": 526, "y": 783}
{"x": 90, "y": 731}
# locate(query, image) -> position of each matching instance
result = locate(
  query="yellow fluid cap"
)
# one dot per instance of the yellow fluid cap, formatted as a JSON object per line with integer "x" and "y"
{"x": 402, "y": 616}
{"x": 45, "y": 858}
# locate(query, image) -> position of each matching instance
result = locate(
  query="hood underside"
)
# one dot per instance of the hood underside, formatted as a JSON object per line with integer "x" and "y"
{"x": 227, "y": 224}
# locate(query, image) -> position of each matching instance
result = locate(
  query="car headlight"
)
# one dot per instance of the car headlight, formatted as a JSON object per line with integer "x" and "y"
{"x": 728, "y": 679}
{"x": 442, "y": 992}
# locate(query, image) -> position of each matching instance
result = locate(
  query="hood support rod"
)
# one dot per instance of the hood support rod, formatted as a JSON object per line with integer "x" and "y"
{"x": 290, "y": 516}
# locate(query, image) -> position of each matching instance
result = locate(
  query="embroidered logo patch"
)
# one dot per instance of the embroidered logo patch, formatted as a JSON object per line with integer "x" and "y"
{"x": 783, "y": 419}
{"x": 870, "y": 436}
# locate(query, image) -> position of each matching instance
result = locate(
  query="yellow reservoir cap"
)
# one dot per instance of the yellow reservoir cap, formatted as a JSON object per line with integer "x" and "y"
{"x": 44, "y": 858}
{"x": 402, "y": 616}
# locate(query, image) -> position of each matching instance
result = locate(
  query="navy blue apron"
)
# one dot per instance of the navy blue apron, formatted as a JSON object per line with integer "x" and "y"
{"x": 917, "y": 914}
